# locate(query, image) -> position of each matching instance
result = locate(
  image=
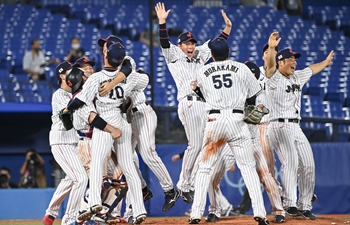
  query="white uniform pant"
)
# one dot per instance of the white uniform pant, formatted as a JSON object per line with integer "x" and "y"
{"x": 227, "y": 127}
{"x": 102, "y": 143}
{"x": 192, "y": 116}
{"x": 293, "y": 150}
{"x": 144, "y": 124}
{"x": 74, "y": 183}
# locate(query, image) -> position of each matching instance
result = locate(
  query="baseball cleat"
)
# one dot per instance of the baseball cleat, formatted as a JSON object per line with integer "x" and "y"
{"x": 146, "y": 193}
{"x": 194, "y": 221}
{"x": 279, "y": 219}
{"x": 261, "y": 221}
{"x": 48, "y": 219}
{"x": 139, "y": 219}
{"x": 187, "y": 196}
{"x": 314, "y": 198}
{"x": 170, "y": 199}
{"x": 307, "y": 214}
{"x": 226, "y": 212}
{"x": 211, "y": 217}
{"x": 106, "y": 218}
{"x": 293, "y": 211}
{"x": 87, "y": 214}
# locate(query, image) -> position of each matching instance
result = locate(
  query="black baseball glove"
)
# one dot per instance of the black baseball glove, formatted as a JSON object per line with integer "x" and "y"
{"x": 253, "y": 114}
{"x": 67, "y": 119}
{"x": 126, "y": 107}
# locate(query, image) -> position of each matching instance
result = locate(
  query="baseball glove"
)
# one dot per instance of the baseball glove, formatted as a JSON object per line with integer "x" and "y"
{"x": 253, "y": 114}
{"x": 126, "y": 107}
{"x": 67, "y": 119}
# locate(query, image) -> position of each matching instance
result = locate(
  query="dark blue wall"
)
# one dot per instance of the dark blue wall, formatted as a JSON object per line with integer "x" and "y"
{"x": 332, "y": 185}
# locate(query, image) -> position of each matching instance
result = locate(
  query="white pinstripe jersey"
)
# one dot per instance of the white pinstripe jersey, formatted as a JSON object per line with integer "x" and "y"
{"x": 262, "y": 81}
{"x": 81, "y": 117}
{"x": 227, "y": 84}
{"x": 134, "y": 87}
{"x": 285, "y": 94}
{"x": 58, "y": 134}
{"x": 183, "y": 69}
{"x": 106, "y": 106}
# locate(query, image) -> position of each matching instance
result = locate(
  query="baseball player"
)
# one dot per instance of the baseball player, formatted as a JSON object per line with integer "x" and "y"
{"x": 81, "y": 122}
{"x": 108, "y": 109}
{"x": 144, "y": 124}
{"x": 64, "y": 149}
{"x": 226, "y": 85}
{"x": 264, "y": 76}
{"x": 284, "y": 132}
{"x": 183, "y": 61}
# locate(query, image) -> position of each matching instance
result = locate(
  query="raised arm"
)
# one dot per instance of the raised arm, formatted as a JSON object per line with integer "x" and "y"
{"x": 318, "y": 67}
{"x": 163, "y": 33}
{"x": 271, "y": 55}
{"x": 226, "y": 32}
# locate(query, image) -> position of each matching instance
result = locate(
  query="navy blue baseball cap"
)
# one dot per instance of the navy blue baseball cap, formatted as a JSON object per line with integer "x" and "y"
{"x": 266, "y": 46}
{"x": 62, "y": 68}
{"x": 185, "y": 37}
{"x": 83, "y": 61}
{"x": 115, "y": 54}
{"x": 287, "y": 53}
{"x": 254, "y": 68}
{"x": 111, "y": 39}
{"x": 219, "y": 47}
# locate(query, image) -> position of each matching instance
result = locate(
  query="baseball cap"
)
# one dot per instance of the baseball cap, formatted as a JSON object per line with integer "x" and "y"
{"x": 219, "y": 47}
{"x": 82, "y": 61}
{"x": 185, "y": 37}
{"x": 286, "y": 53}
{"x": 115, "y": 54}
{"x": 111, "y": 39}
{"x": 62, "y": 68}
{"x": 266, "y": 46}
{"x": 254, "y": 68}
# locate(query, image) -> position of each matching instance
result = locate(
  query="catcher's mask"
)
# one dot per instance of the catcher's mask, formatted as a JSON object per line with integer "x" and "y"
{"x": 74, "y": 79}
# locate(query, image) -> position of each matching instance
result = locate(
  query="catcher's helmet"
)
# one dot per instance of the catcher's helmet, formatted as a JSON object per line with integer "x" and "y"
{"x": 74, "y": 79}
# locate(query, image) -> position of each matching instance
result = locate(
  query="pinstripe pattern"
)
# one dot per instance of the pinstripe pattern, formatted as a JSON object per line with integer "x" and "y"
{"x": 182, "y": 68}
{"x": 58, "y": 134}
{"x": 76, "y": 180}
{"x": 237, "y": 75}
{"x": 84, "y": 153}
{"x": 102, "y": 142}
{"x": 225, "y": 161}
{"x": 64, "y": 149}
{"x": 215, "y": 81}
{"x": 268, "y": 181}
{"x": 144, "y": 124}
{"x": 192, "y": 117}
{"x": 191, "y": 113}
{"x": 288, "y": 140}
{"x": 229, "y": 127}
{"x": 286, "y": 104}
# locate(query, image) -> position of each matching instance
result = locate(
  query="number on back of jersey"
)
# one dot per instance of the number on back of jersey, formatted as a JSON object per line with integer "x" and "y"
{"x": 117, "y": 92}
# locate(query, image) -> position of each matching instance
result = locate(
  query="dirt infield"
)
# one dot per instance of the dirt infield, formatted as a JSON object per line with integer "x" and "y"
{"x": 242, "y": 220}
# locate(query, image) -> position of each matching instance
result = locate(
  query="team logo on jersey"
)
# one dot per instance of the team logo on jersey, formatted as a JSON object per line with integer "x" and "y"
{"x": 293, "y": 88}
{"x": 192, "y": 60}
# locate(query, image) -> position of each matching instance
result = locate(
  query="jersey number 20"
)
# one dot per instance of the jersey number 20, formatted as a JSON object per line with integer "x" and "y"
{"x": 117, "y": 92}
{"x": 224, "y": 80}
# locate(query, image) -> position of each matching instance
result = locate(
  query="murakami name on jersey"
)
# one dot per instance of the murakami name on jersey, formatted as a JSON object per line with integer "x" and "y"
{"x": 214, "y": 69}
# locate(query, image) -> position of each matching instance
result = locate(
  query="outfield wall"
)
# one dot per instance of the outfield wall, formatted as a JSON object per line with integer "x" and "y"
{"x": 332, "y": 186}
